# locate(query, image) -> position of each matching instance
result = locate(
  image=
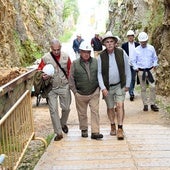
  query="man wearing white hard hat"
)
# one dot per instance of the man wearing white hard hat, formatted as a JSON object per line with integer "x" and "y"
{"x": 114, "y": 80}
{"x": 60, "y": 87}
{"x": 145, "y": 61}
{"x": 84, "y": 84}
{"x": 129, "y": 47}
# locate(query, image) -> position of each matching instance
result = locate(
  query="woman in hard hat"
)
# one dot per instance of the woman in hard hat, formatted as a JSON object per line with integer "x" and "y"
{"x": 145, "y": 61}
{"x": 84, "y": 84}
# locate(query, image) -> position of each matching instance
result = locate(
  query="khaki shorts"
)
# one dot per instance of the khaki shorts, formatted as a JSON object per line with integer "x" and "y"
{"x": 116, "y": 94}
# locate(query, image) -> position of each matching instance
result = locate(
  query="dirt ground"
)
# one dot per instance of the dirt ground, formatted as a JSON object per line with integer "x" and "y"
{"x": 133, "y": 115}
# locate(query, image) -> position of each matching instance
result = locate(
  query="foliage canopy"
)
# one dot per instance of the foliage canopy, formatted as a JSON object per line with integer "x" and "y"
{"x": 70, "y": 8}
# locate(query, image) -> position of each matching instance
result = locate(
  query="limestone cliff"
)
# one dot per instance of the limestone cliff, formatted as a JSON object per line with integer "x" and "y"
{"x": 26, "y": 27}
{"x": 152, "y": 16}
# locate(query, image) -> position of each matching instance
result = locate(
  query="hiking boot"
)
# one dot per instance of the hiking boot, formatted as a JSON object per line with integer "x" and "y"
{"x": 84, "y": 133}
{"x": 154, "y": 108}
{"x": 58, "y": 137}
{"x": 113, "y": 130}
{"x": 145, "y": 108}
{"x": 120, "y": 135}
{"x": 96, "y": 136}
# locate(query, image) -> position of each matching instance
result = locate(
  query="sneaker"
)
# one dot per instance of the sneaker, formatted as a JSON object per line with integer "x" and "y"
{"x": 154, "y": 108}
{"x": 58, "y": 137}
{"x": 145, "y": 108}
{"x": 96, "y": 136}
{"x": 65, "y": 129}
{"x": 120, "y": 135}
{"x": 113, "y": 130}
{"x": 84, "y": 133}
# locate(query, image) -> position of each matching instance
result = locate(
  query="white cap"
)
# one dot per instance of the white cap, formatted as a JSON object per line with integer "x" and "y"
{"x": 130, "y": 32}
{"x": 142, "y": 36}
{"x": 96, "y": 32}
{"x": 78, "y": 34}
{"x": 85, "y": 46}
{"x": 109, "y": 35}
{"x": 48, "y": 69}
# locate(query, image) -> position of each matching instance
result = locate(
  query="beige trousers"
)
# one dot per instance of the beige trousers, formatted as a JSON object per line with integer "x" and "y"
{"x": 82, "y": 103}
{"x": 148, "y": 97}
{"x": 64, "y": 96}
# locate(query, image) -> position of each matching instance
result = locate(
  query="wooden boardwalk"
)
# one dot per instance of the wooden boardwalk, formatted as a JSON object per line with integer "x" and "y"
{"x": 146, "y": 145}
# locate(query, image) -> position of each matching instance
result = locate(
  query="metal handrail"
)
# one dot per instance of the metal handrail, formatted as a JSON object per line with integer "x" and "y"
{"x": 16, "y": 131}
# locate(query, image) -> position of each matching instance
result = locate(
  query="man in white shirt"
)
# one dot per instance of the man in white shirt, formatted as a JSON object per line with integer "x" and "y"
{"x": 145, "y": 61}
{"x": 114, "y": 78}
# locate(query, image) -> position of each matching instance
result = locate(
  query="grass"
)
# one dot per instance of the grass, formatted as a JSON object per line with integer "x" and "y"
{"x": 49, "y": 138}
{"x": 163, "y": 104}
{"x": 168, "y": 109}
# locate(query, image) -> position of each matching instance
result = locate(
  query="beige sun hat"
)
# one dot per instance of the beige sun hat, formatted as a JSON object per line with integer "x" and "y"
{"x": 109, "y": 35}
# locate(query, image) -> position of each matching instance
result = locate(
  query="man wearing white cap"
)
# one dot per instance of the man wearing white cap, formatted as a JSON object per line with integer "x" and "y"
{"x": 76, "y": 45}
{"x": 84, "y": 84}
{"x": 96, "y": 43}
{"x": 60, "y": 88}
{"x": 145, "y": 61}
{"x": 114, "y": 80}
{"x": 129, "y": 47}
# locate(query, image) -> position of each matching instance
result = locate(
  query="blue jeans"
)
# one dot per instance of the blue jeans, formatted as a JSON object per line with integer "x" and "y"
{"x": 132, "y": 84}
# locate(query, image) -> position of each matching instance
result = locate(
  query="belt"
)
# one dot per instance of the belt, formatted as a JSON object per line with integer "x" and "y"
{"x": 143, "y": 69}
{"x": 114, "y": 84}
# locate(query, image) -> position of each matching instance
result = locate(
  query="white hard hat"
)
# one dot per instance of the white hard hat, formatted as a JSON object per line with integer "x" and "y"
{"x": 48, "y": 69}
{"x": 130, "y": 32}
{"x": 142, "y": 36}
{"x": 85, "y": 46}
{"x": 109, "y": 35}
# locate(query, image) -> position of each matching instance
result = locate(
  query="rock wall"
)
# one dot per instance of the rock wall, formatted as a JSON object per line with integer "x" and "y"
{"x": 26, "y": 28}
{"x": 163, "y": 72}
{"x": 152, "y": 16}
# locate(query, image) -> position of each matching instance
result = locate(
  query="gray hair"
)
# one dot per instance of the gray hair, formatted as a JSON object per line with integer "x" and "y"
{"x": 55, "y": 41}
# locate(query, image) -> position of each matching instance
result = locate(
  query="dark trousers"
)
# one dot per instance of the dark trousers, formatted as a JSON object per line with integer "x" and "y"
{"x": 132, "y": 84}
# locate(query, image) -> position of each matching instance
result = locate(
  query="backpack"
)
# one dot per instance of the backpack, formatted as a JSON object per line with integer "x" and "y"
{"x": 41, "y": 87}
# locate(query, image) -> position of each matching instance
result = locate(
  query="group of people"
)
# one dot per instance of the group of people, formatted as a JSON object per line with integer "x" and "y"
{"x": 96, "y": 44}
{"x": 143, "y": 62}
{"x": 112, "y": 72}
